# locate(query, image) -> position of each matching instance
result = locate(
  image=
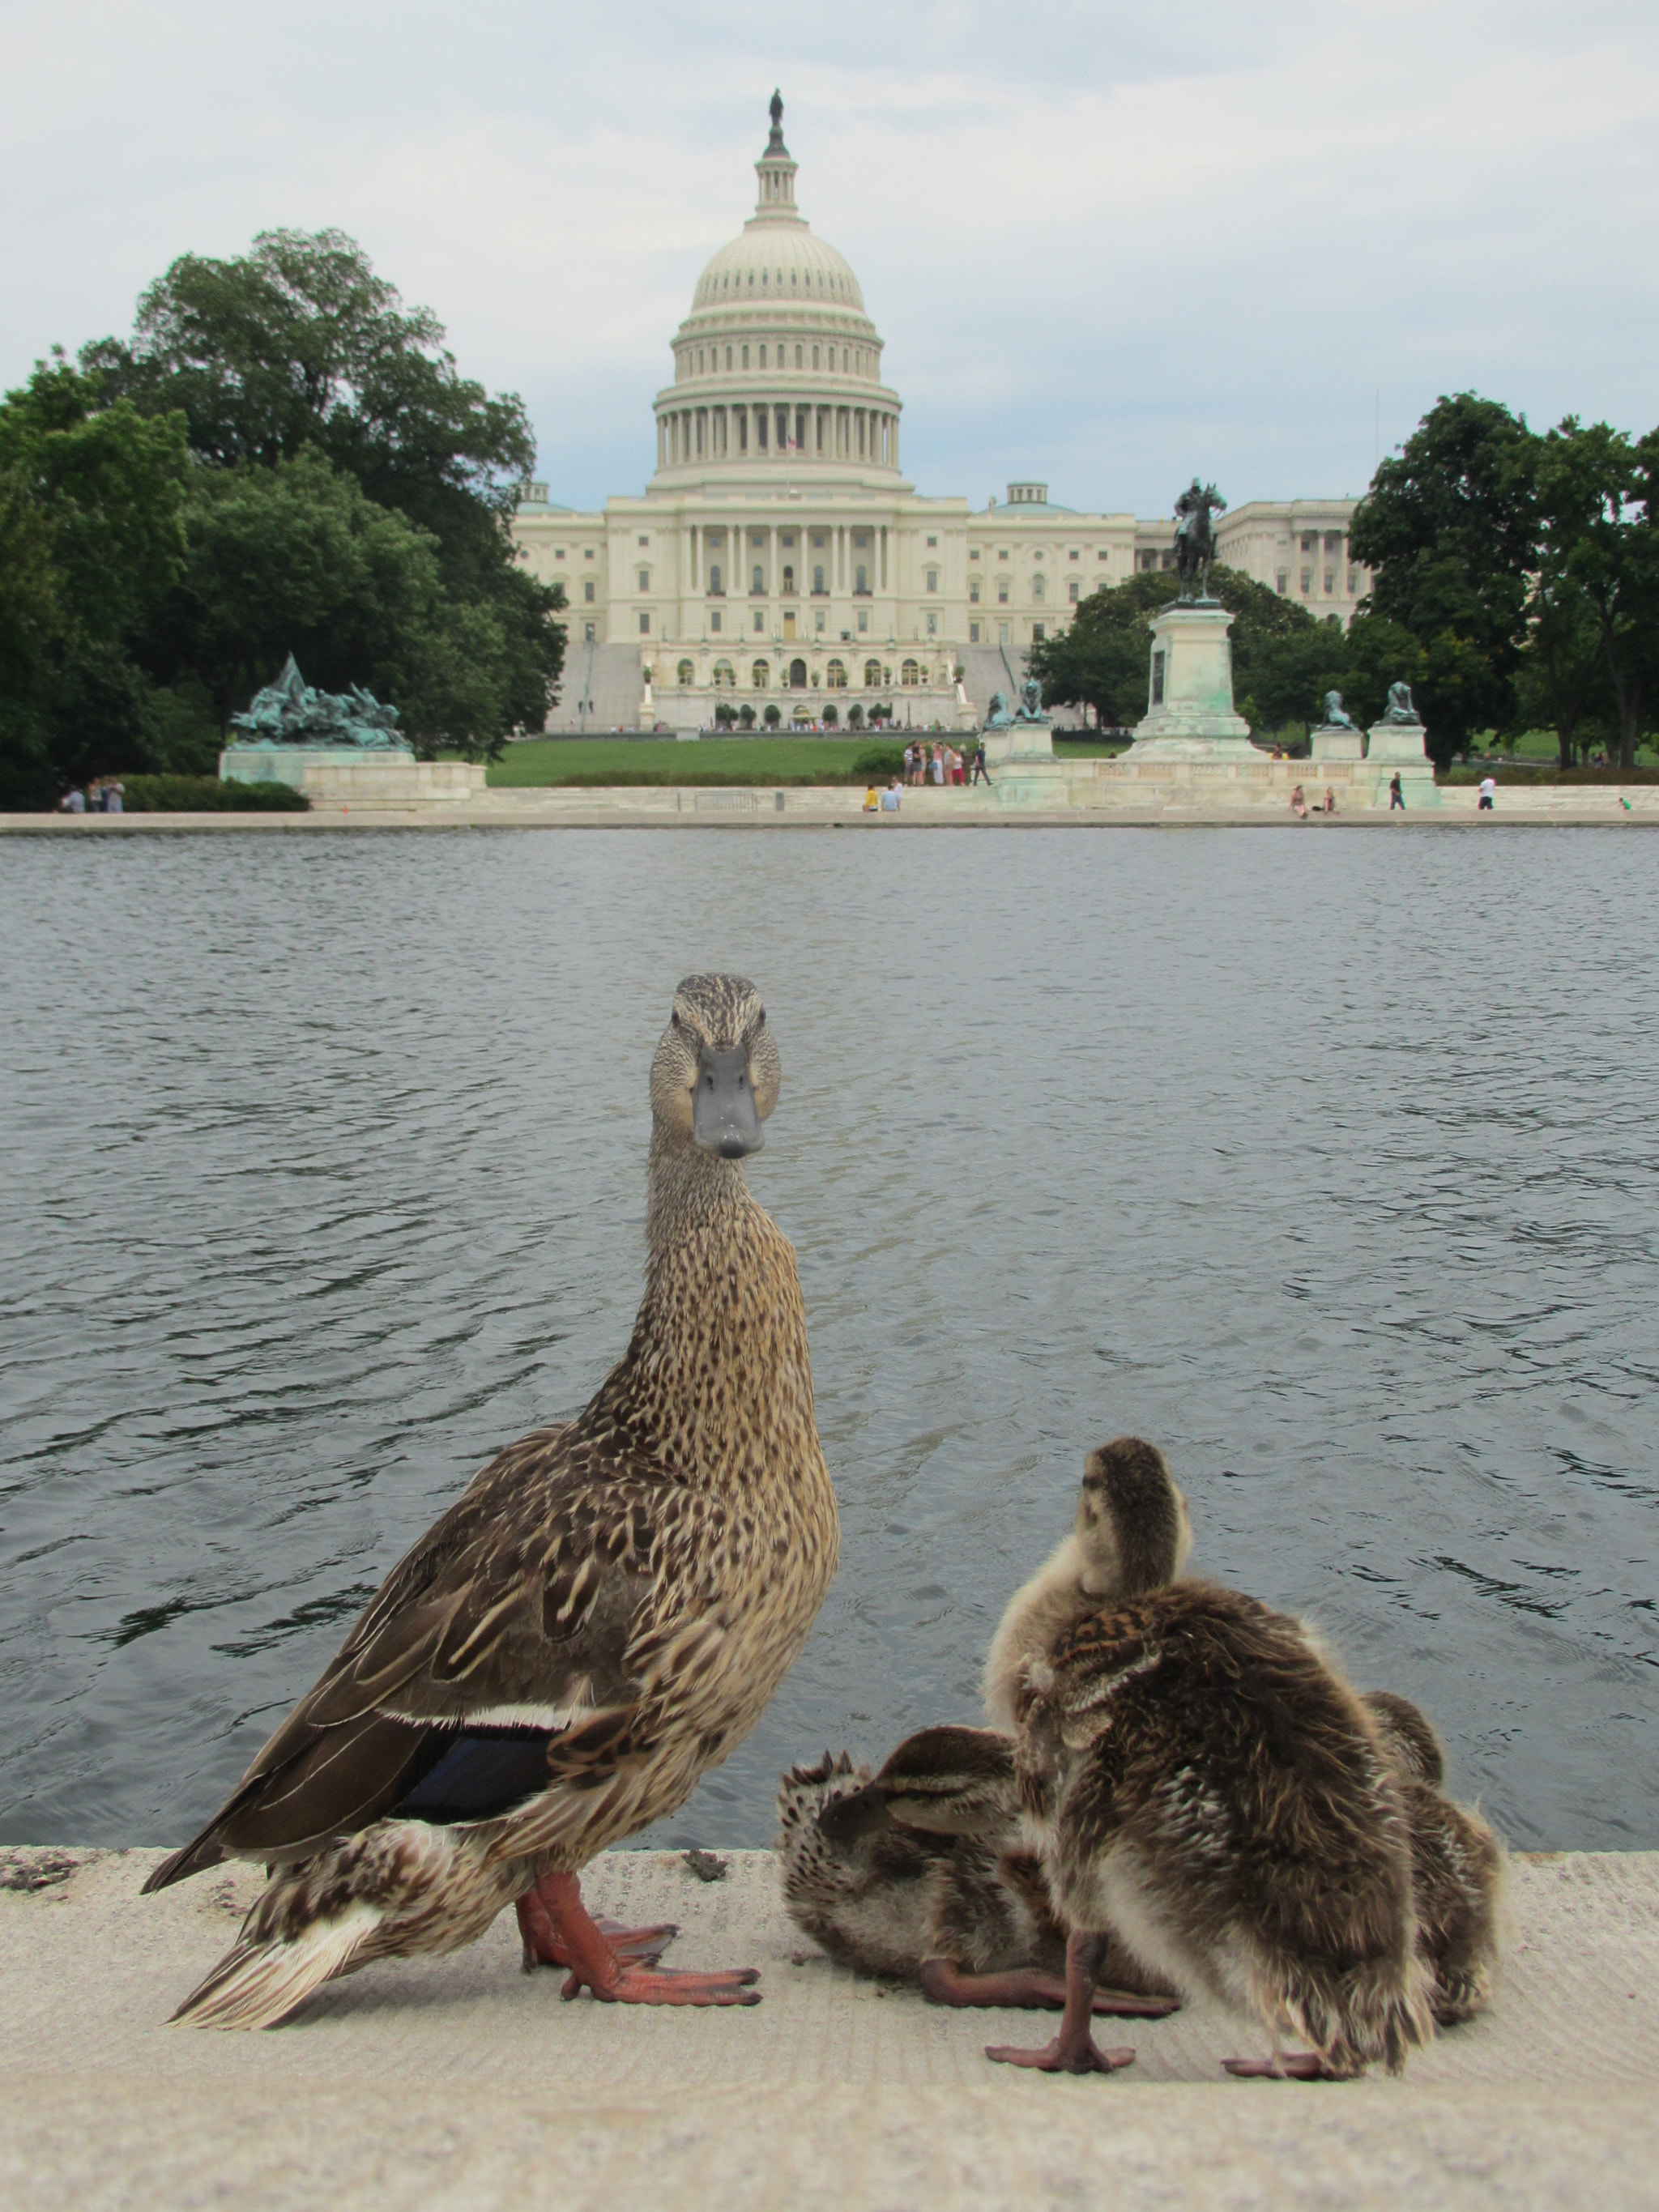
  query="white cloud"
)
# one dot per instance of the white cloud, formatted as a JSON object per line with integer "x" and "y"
{"x": 1104, "y": 244}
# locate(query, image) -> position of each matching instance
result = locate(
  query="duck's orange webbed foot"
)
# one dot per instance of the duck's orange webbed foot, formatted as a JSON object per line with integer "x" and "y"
{"x": 542, "y": 1947}
{"x": 619, "y": 1965}
{"x": 1074, "y": 2050}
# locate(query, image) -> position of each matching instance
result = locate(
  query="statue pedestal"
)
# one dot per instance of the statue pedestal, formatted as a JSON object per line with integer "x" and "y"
{"x": 1189, "y": 712}
{"x": 287, "y": 763}
{"x": 1020, "y": 741}
{"x": 347, "y": 777}
{"x": 1397, "y": 748}
{"x": 1331, "y": 742}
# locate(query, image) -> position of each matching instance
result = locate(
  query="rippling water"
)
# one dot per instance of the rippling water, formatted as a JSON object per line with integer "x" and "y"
{"x": 1328, "y": 1160}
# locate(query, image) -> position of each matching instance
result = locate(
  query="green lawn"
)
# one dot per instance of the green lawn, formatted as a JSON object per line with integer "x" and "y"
{"x": 710, "y": 760}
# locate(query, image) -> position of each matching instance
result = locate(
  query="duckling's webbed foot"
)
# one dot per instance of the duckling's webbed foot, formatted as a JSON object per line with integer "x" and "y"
{"x": 1026, "y": 1989}
{"x": 1074, "y": 2050}
{"x": 619, "y": 1965}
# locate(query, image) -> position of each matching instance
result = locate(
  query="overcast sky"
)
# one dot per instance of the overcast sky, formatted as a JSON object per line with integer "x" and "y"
{"x": 1106, "y": 245}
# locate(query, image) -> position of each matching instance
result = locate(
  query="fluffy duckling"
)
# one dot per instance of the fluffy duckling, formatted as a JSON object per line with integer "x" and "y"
{"x": 915, "y": 1873}
{"x": 1458, "y": 1868}
{"x": 602, "y": 1616}
{"x": 1204, "y": 1786}
{"x": 1131, "y": 1534}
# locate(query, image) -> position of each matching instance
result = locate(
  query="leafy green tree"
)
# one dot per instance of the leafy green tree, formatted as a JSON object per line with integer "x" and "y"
{"x": 91, "y": 538}
{"x": 1596, "y": 494}
{"x": 1449, "y": 530}
{"x": 1561, "y": 684}
{"x": 298, "y": 345}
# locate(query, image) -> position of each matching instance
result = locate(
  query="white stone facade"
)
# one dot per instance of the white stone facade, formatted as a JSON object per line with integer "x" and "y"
{"x": 778, "y": 558}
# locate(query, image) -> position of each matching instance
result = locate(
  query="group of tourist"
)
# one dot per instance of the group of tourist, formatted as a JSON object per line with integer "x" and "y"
{"x": 103, "y": 795}
{"x": 941, "y": 764}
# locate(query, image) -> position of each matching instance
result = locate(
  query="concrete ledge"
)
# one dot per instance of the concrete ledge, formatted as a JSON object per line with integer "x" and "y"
{"x": 460, "y": 2082}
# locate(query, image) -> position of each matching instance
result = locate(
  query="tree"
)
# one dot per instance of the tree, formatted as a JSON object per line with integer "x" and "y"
{"x": 298, "y": 345}
{"x": 1449, "y": 530}
{"x": 1561, "y": 684}
{"x": 91, "y": 538}
{"x": 1596, "y": 495}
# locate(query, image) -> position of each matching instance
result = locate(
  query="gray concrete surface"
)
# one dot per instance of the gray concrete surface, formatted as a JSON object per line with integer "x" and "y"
{"x": 461, "y": 2082}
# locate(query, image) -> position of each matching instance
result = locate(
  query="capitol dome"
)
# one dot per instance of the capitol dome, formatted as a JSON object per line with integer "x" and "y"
{"x": 777, "y": 361}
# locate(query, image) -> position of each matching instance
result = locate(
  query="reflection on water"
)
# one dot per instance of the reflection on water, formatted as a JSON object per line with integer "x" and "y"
{"x": 1326, "y": 1159}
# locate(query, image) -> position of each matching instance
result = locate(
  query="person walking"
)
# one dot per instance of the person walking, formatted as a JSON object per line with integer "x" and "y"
{"x": 1397, "y": 796}
{"x": 980, "y": 772}
{"x": 1488, "y": 794}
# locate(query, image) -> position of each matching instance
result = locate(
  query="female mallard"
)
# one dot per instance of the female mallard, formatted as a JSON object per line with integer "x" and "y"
{"x": 917, "y": 1873}
{"x": 1205, "y": 1788}
{"x": 1459, "y": 1870}
{"x": 602, "y": 1616}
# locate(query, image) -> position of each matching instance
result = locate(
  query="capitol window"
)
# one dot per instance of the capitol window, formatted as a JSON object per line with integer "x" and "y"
{"x": 757, "y": 579}
{"x": 932, "y": 579}
{"x": 1002, "y": 591}
{"x": 714, "y": 620}
{"x": 933, "y": 541}
{"x": 760, "y": 620}
{"x": 864, "y": 619}
{"x": 644, "y": 621}
{"x": 725, "y": 677}
{"x": 715, "y": 579}
{"x": 973, "y": 591}
{"x": 587, "y": 592}
{"x": 910, "y": 674}
{"x": 746, "y": 356}
{"x": 822, "y": 621}
{"x": 860, "y": 588}
{"x": 1075, "y": 590}
{"x": 760, "y": 676}
{"x": 798, "y": 362}
{"x": 728, "y": 356}
{"x": 762, "y": 361}
{"x": 818, "y": 576}
{"x": 1038, "y": 633}
{"x": 872, "y": 675}
{"x": 1036, "y": 589}
{"x": 933, "y": 625}
{"x": 815, "y": 356}
{"x": 685, "y": 673}
{"x": 973, "y": 632}
{"x": 645, "y": 580}
{"x": 835, "y": 676}
{"x": 1075, "y": 555}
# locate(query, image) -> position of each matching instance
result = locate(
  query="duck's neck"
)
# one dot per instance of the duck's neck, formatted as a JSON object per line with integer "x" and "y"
{"x": 690, "y": 1191}
{"x": 716, "y": 1380}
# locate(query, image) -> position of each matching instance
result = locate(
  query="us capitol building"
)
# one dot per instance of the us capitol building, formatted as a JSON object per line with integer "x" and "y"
{"x": 778, "y": 559}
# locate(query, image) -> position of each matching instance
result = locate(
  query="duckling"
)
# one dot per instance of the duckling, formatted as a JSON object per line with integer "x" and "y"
{"x": 1204, "y": 1785}
{"x": 1131, "y": 1534}
{"x": 915, "y": 1873}
{"x": 1458, "y": 1868}
{"x": 602, "y": 1616}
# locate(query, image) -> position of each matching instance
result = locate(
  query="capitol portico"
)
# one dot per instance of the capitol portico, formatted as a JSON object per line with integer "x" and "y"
{"x": 779, "y": 560}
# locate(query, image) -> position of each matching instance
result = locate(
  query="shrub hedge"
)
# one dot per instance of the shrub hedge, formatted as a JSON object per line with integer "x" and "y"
{"x": 204, "y": 794}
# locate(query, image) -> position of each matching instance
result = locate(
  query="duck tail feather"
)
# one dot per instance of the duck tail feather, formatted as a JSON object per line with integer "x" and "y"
{"x": 205, "y": 1852}
{"x": 261, "y": 1979}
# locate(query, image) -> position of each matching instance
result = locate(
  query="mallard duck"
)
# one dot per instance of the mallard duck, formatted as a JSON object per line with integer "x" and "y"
{"x": 1131, "y": 1534}
{"x": 1205, "y": 1787}
{"x": 1458, "y": 1868}
{"x": 915, "y": 1873}
{"x": 600, "y": 1618}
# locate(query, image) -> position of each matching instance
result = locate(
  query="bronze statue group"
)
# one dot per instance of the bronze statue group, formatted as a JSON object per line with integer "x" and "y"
{"x": 1176, "y": 1792}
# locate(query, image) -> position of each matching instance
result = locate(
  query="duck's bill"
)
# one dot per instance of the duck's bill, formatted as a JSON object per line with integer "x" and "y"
{"x": 723, "y": 1116}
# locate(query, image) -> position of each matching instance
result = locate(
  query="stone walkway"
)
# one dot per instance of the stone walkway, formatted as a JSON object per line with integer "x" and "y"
{"x": 461, "y": 2082}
